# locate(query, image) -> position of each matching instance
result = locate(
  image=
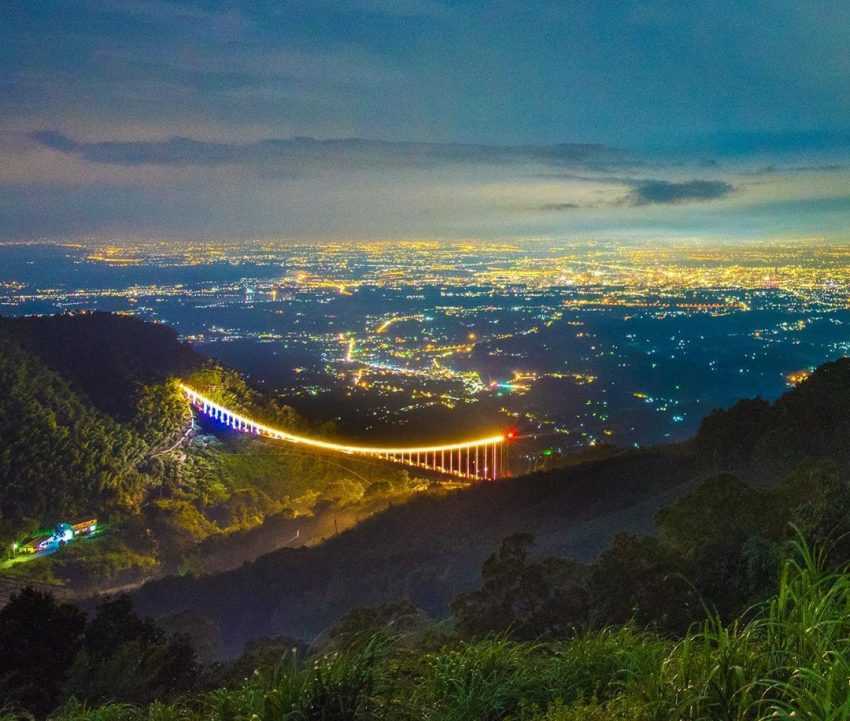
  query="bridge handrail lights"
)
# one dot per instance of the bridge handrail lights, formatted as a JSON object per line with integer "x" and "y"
{"x": 482, "y": 465}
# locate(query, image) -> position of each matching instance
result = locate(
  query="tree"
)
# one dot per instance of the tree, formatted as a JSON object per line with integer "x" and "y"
{"x": 281, "y": 415}
{"x": 733, "y": 576}
{"x": 39, "y": 638}
{"x": 526, "y": 598}
{"x": 161, "y": 412}
{"x": 361, "y": 624}
{"x": 60, "y": 456}
{"x": 641, "y": 580}
{"x": 726, "y": 438}
{"x": 130, "y": 659}
{"x": 223, "y": 386}
{"x": 114, "y": 624}
{"x": 816, "y": 497}
{"x": 811, "y": 419}
{"x": 721, "y": 510}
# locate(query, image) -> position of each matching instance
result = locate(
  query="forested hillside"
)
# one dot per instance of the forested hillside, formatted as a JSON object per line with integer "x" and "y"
{"x": 60, "y": 455}
{"x": 762, "y": 441}
{"x": 431, "y": 549}
{"x": 786, "y": 658}
{"x": 221, "y": 498}
{"x": 427, "y": 550}
{"x": 106, "y": 358}
{"x": 660, "y": 583}
{"x": 94, "y": 424}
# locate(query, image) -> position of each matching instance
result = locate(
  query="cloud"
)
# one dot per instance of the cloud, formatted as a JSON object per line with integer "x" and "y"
{"x": 585, "y": 174}
{"x": 55, "y": 141}
{"x": 558, "y": 207}
{"x": 776, "y": 169}
{"x": 391, "y": 8}
{"x": 301, "y": 154}
{"x": 641, "y": 192}
{"x": 660, "y": 192}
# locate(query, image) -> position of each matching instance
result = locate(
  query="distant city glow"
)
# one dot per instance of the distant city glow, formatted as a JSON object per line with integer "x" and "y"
{"x": 571, "y": 343}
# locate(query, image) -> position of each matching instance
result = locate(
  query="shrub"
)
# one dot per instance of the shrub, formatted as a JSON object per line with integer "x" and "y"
{"x": 598, "y": 665}
{"x": 486, "y": 680}
{"x": 339, "y": 686}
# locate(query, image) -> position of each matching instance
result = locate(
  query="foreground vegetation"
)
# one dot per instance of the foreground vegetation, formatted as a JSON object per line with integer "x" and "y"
{"x": 788, "y": 657}
{"x": 721, "y": 615}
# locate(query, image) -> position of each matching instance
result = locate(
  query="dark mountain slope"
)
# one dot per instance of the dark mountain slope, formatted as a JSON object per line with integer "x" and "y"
{"x": 428, "y": 549}
{"x": 84, "y": 400}
{"x": 59, "y": 455}
{"x": 103, "y": 356}
{"x": 762, "y": 442}
{"x": 64, "y": 381}
{"x": 93, "y": 424}
{"x": 432, "y": 548}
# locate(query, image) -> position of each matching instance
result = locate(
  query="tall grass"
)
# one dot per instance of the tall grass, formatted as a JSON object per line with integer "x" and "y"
{"x": 788, "y": 658}
{"x": 338, "y": 686}
{"x": 75, "y": 711}
{"x": 791, "y": 659}
{"x": 807, "y": 633}
{"x": 488, "y": 680}
{"x": 496, "y": 679}
{"x": 599, "y": 665}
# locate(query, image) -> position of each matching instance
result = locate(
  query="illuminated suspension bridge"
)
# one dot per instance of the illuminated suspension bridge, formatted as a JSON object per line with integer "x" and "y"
{"x": 479, "y": 459}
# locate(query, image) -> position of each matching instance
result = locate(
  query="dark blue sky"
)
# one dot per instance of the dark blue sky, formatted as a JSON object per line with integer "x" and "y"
{"x": 420, "y": 118}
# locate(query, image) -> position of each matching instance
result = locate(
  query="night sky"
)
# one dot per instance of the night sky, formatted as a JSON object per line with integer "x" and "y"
{"x": 358, "y": 119}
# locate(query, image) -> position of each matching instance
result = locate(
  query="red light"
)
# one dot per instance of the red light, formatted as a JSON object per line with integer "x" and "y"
{"x": 510, "y": 434}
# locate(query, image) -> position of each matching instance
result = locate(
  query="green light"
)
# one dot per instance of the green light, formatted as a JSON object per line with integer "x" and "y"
{"x": 547, "y": 452}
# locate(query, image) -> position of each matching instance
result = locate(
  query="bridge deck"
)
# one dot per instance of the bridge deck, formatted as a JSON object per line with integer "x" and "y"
{"x": 480, "y": 458}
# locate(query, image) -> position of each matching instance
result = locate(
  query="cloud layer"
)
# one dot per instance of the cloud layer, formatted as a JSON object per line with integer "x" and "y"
{"x": 360, "y": 118}
{"x": 649, "y": 192}
{"x": 305, "y": 153}
{"x": 355, "y": 187}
